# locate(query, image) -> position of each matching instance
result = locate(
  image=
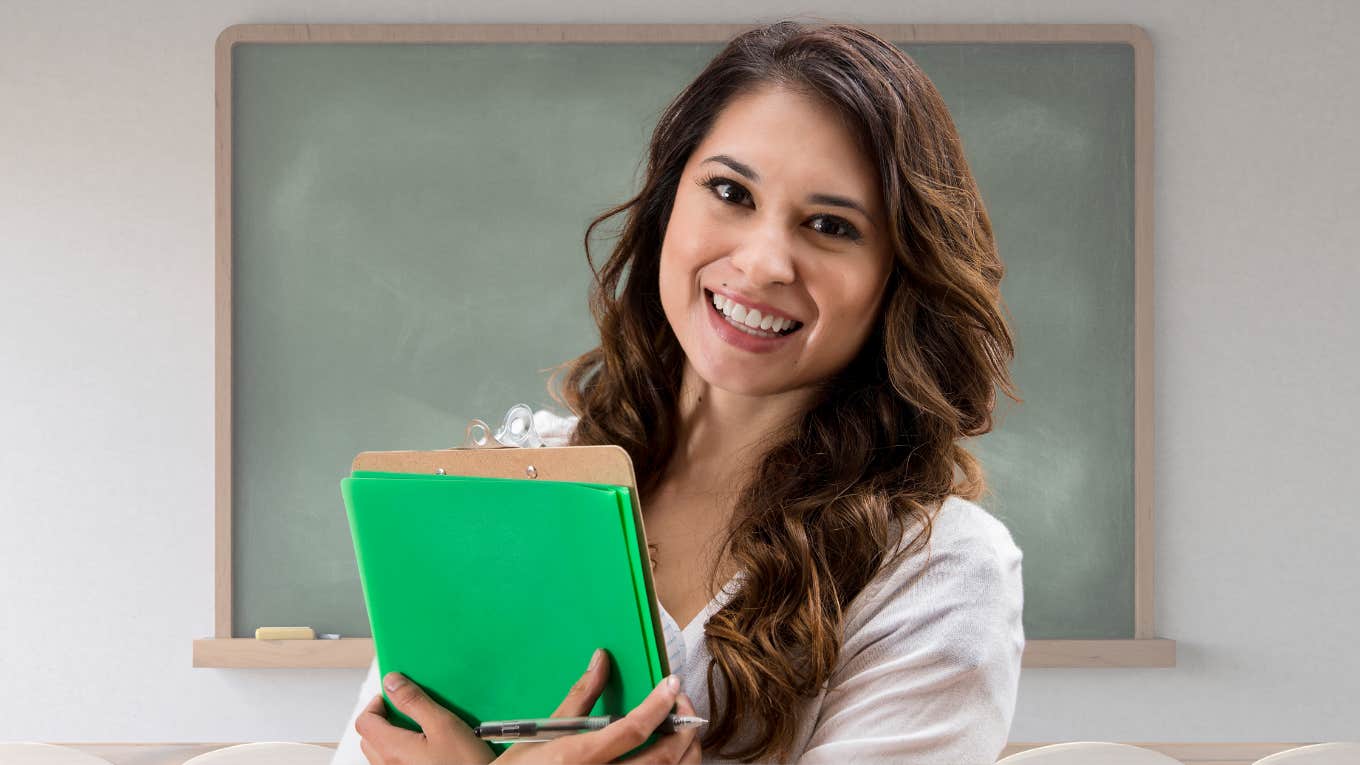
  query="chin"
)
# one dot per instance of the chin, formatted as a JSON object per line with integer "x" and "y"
{"x": 739, "y": 382}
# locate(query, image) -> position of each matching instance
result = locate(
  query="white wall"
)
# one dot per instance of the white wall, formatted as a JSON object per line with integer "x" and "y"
{"x": 106, "y": 368}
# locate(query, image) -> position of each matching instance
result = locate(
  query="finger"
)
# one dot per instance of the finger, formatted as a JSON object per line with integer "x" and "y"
{"x": 582, "y": 696}
{"x": 632, "y": 730}
{"x": 370, "y": 753}
{"x": 458, "y": 741}
{"x": 693, "y": 751}
{"x": 415, "y": 704}
{"x": 445, "y": 730}
{"x": 373, "y": 727}
{"x": 693, "y": 755}
{"x": 672, "y": 747}
{"x": 377, "y": 706}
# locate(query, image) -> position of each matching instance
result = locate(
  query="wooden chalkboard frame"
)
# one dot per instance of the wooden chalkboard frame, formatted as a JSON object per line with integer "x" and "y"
{"x": 223, "y": 650}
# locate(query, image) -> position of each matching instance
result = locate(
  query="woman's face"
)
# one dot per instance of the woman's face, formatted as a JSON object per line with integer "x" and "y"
{"x": 779, "y": 217}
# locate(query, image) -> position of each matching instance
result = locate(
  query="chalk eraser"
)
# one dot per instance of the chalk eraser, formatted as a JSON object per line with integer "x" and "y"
{"x": 285, "y": 633}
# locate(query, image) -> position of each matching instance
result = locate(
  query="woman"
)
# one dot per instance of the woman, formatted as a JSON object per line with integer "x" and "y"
{"x": 799, "y": 321}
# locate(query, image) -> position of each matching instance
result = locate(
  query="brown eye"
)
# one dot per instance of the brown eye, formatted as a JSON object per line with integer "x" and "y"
{"x": 725, "y": 189}
{"x": 839, "y": 227}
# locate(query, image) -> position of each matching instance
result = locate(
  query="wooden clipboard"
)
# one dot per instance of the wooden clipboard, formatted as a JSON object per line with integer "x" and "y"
{"x": 581, "y": 464}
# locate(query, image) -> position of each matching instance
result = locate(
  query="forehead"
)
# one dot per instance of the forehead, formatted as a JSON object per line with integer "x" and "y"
{"x": 791, "y": 137}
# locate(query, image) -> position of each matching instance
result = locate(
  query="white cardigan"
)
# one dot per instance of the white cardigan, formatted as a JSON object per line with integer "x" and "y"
{"x": 929, "y": 664}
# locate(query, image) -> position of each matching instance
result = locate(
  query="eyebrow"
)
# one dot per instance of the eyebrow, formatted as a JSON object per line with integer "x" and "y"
{"x": 817, "y": 199}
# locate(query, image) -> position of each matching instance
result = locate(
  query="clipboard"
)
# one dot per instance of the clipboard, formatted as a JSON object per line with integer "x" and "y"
{"x": 393, "y": 500}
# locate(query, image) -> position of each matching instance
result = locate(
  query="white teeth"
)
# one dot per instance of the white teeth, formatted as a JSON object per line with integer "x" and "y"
{"x": 751, "y": 318}
{"x": 755, "y": 332}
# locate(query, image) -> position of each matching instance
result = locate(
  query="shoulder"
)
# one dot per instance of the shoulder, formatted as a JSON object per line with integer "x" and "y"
{"x": 965, "y": 542}
{"x": 967, "y": 536}
{"x": 961, "y": 592}
{"x": 936, "y": 639}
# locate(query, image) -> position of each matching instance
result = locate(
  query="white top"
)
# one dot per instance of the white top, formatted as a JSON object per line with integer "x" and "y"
{"x": 929, "y": 664}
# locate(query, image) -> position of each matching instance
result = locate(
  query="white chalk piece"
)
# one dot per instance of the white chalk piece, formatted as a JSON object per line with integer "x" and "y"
{"x": 329, "y": 636}
{"x": 285, "y": 633}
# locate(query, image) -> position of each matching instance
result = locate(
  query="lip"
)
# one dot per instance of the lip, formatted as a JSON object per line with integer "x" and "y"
{"x": 765, "y": 310}
{"x": 736, "y": 337}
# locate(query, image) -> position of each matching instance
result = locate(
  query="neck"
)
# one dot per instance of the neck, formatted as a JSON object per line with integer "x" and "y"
{"x": 723, "y": 435}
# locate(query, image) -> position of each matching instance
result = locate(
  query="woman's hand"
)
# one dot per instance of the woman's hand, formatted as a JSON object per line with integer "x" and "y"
{"x": 619, "y": 737}
{"x": 447, "y": 739}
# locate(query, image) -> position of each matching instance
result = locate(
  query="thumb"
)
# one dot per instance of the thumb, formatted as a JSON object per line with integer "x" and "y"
{"x": 414, "y": 703}
{"x": 587, "y": 689}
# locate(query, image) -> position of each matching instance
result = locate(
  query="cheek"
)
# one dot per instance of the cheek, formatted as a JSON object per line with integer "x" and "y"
{"x": 686, "y": 251}
{"x": 673, "y": 273}
{"x": 677, "y": 273}
{"x": 850, "y": 311}
{"x": 850, "y": 327}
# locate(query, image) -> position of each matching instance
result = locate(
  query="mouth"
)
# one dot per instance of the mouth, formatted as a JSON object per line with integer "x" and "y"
{"x": 741, "y": 319}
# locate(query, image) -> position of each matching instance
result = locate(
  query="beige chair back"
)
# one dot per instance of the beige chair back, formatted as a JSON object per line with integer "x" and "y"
{"x": 1317, "y": 754}
{"x": 1088, "y": 753}
{"x": 266, "y": 753}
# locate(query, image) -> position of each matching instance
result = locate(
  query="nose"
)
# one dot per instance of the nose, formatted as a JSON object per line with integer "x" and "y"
{"x": 766, "y": 257}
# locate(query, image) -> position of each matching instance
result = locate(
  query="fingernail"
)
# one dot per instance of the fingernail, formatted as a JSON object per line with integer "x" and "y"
{"x": 673, "y": 683}
{"x": 393, "y": 681}
{"x": 595, "y": 659}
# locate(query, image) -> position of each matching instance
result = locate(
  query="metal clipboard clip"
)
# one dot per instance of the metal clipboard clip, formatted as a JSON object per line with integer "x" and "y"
{"x": 516, "y": 431}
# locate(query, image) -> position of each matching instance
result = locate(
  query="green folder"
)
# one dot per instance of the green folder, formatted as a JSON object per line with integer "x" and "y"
{"x": 492, "y": 593}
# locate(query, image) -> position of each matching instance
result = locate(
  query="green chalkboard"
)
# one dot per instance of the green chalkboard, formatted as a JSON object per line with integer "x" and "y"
{"x": 406, "y": 254}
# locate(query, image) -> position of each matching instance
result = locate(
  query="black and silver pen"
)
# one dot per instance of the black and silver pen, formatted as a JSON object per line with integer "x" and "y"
{"x": 549, "y": 728}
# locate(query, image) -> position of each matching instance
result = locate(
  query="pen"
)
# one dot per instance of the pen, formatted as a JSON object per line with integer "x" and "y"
{"x": 549, "y": 728}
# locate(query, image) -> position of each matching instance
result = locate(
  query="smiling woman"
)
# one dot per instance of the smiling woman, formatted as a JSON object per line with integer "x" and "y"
{"x": 800, "y": 320}
{"x": 778, "y": 248}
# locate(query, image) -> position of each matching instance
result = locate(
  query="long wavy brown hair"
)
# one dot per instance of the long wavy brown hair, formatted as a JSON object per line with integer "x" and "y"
{"x": 878, "y": 450}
